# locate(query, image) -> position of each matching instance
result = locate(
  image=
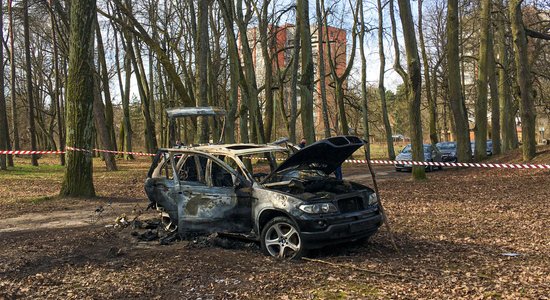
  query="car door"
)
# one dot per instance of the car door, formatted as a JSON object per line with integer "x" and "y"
{"x": 210, "y": 201}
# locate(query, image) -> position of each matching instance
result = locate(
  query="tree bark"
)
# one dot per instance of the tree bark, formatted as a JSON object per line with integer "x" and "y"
{"x": 322, "y": 69}
{"x": 234, "y": 65}
{"x": 481, "y": 103}
{"x": 456, "y": 99}
{"x": 381, "y": 87}
{"x": 495, "y": 109}
{"x": 432, "y": 105}
{"x": 507, "y": 119}
{"x": 103, "y": 134}
{"x": 4, "y": 130}
{"x": 414, "y": 94}
{"x": 14, "y": 114}
{"x": 364, "y": 100}
{"x": 201, "y": 54}
{"x": 306, "y": 82}
{"x": 109, "y": 115}
{"x": 78, "y": 180}
{"x": 523, "y": 77}
{"x": 57, "y": 88}
{"x": 30, "y": 98}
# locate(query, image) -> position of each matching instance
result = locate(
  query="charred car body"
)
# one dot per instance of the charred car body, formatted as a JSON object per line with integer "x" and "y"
{"x": 294, "y": 207}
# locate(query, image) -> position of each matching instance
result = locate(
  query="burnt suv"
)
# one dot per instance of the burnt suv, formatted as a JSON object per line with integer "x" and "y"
{"x": 240, "y": 189}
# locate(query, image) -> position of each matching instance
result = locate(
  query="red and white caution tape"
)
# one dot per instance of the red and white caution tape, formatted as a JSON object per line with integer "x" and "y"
{"x": 451, "y": 164}
{"x": 111, "y": 151}
{"x": 28, "y": 152}
{"x": 353, "y": 161}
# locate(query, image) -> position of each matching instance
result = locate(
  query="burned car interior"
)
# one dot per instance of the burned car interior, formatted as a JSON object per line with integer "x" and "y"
{"x": 286, "y": 200}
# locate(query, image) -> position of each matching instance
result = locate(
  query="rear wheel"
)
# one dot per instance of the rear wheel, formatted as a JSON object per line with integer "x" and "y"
{"x": 281, "y": 238}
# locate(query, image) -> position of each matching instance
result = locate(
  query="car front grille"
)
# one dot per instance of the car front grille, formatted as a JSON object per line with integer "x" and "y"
{"x": 350, "y": 204}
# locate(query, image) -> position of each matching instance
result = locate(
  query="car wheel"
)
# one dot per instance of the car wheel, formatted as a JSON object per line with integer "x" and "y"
{"x": 281, "y": 238}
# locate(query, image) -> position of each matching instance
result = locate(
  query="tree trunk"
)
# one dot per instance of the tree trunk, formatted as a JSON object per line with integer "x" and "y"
{"x": 126, "y": 103}
{"x": 458, "y": 107}
{"x": 14, "y": 115}
{"x": 322, "y": 69}
{"x": 201, "y": 54}
{"x": 527, "y": 107}
{"x": 481, "y": 103}
{"x": 103, "y": 134}
{"x": 381, "y": 88}
{"x": 432, "y": 106}
{"x": 507, "y": 119}
{"x": 4, "y": 130}
{"x": 109, "y": 116}
{"x": 78, "y": 180}
{"x": 364, "y": 102}
{"x": 495, "y": 109}
{"x": 30, "y": 98}
{"x": 267, "y": 38}
{"x": 306, "y": 82}
{"x": 414, "y": 94}
{"x": 294, "y": 84}
{"x": 234, "y": 65}
{"x": 56, "y": 94}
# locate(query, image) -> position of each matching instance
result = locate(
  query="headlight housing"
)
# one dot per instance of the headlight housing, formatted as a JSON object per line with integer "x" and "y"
{"x": 373, "y": 199}
{"x": 318, "y": 208}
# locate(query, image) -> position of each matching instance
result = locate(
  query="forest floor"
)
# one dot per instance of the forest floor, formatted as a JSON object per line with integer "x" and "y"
{"x": 462, "y": 233}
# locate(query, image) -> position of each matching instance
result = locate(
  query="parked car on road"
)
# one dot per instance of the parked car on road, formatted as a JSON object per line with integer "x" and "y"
{"x": 430, "y": 154}
{"x": 288, "y": 208}
{"x": 489, "y": 149}
{"x": 448, "y": 151}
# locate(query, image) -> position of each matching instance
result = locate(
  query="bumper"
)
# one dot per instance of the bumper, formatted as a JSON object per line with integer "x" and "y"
{"x": 320, "y": 232}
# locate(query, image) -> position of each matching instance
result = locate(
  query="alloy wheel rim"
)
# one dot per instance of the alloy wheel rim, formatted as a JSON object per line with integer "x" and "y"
{"x": 282, "y": 240}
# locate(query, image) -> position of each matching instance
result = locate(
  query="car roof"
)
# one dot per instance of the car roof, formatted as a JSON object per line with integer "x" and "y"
{"x": 231, "y": 149}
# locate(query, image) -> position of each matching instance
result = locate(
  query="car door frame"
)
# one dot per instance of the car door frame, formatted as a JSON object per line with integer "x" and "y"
{"x": 201, "y": 208}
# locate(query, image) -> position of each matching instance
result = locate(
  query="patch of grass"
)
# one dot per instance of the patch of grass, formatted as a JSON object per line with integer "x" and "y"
{"x": 39, "y": 200}
{"x": 41, "y": 171}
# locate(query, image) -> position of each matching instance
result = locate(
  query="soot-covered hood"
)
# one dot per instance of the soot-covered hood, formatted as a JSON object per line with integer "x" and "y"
{"x": 324, "y": 155}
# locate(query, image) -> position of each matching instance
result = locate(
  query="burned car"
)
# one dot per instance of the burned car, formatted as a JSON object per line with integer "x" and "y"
{"x": 239, "y": 189}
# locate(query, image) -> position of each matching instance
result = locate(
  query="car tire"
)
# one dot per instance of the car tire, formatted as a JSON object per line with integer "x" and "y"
{"x": 282, "y": 238}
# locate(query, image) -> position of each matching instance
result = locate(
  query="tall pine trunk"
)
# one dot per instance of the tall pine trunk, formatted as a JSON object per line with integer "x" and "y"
{"x": 78, "y": 180}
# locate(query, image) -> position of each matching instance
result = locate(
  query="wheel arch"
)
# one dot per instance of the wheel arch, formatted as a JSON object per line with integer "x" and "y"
{"x": 269, "y": 213}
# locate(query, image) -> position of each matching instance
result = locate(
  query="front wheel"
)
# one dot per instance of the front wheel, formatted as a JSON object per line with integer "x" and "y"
{"x": 281, "y": 238}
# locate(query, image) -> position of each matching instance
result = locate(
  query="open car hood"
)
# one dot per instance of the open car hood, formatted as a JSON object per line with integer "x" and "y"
{"x": 324, "y": 155}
